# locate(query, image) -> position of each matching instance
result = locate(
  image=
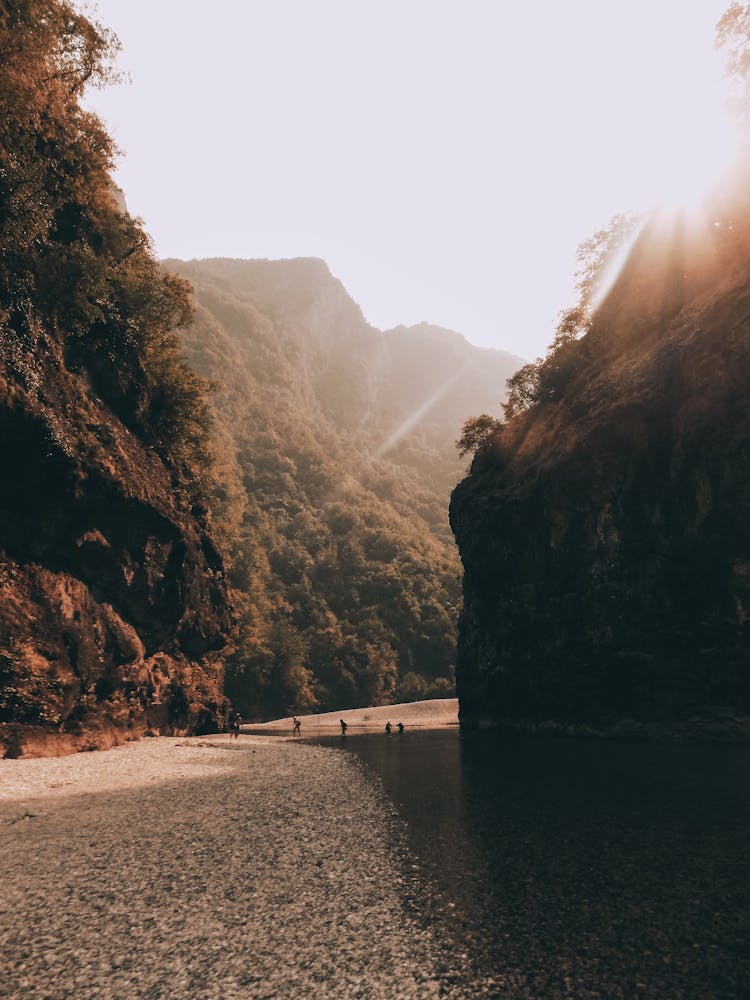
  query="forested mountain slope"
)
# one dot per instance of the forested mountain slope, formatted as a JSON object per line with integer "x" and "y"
{"x": 336, "y": 459}
{"x": 113, "y": 604}
{"x": 604, "y": 529}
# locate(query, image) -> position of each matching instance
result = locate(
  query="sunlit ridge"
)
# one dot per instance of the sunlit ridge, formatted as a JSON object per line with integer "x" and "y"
{"x": 685, "y": 180}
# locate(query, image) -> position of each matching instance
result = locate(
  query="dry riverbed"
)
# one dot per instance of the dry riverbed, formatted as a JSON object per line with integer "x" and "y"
{"x": 205, "y": 868}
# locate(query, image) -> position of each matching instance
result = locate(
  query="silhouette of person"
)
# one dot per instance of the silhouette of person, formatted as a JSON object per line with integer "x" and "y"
{"x": 234, "y": 724}
{"x": 400, "y": 728}
{"x": 388, "y": 728}
{"x": 296, "y": 727}
{"x": 344, "y": 727}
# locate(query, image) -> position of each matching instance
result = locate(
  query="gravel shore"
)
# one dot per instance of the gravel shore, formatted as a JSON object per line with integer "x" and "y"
{"x": 204, "y": 868}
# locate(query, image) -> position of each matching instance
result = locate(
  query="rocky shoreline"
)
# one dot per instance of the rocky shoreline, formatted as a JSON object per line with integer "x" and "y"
{"x": 205, "y": 868}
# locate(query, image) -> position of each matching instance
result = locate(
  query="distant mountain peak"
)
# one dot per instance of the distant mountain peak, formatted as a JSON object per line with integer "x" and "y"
{"x": 441, "y": 334}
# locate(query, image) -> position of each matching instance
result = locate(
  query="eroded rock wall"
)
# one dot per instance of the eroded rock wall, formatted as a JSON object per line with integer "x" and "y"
{"x": 113, "y": 605}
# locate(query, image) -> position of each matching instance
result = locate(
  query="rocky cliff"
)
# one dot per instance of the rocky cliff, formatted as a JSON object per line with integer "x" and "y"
{"x": 604, "y": 532}
{"x": 112, "y": 598}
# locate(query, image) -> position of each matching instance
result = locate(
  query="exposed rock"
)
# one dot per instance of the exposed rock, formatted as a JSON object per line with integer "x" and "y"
{"x": 605, "y": 536}
{"x": 112, "y": 598}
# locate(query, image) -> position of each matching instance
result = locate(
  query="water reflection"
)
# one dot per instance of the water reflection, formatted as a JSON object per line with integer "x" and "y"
{"x": 580, "y": 868}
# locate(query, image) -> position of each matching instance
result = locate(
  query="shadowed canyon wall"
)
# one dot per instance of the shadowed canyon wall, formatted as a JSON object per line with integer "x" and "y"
{"x": 112, "y": 598}
{"x": 604, "y": 532}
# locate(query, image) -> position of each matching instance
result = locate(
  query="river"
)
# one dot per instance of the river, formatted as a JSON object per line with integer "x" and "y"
{"x": 576, "y": 868}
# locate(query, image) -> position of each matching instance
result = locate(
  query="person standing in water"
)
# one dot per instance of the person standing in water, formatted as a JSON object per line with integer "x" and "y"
{"x": 344, "y": 727}
{"x": 388, "y": 728}
{"x": 296, "y": 726}
{"x": 400, "y": 728}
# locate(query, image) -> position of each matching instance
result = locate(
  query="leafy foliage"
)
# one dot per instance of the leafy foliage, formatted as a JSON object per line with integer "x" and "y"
{"x": 547, "y": 378}
{"x": 72, "y": 264}
{"x": 733, "y": 36}
{"x": 477, "y": 433}
{"x": 594, "y": 257}
{"x": 345, "y": 594}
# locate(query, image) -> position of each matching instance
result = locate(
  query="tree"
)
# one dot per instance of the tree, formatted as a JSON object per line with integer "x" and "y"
{"x": 546, "y": 379}
{"x": 292, "y": 681}
{"x": 523, "y": 389}
{"x": 733, "y": 36}
{"x": 595, "y": 257}
{"x": 53, "y": 154}
{"x": 477, "y": 433}
{"x": 72, "y": 263}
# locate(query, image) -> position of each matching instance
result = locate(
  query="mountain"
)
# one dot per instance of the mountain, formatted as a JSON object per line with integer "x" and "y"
{"x": 335, "y": 461}
{"x": 604, "y": 530}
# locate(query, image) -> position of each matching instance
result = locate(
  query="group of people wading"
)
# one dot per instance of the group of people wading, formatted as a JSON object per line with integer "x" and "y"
{"x": 297, "y": 727}
{"x": 235, "y": 720}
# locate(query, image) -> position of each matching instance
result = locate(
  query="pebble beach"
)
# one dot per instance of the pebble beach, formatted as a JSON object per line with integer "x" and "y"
{"x": 205, "y": 868}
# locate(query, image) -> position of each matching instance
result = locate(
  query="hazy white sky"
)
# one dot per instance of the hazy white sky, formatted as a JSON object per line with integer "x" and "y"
{"x": 444, "y": 158}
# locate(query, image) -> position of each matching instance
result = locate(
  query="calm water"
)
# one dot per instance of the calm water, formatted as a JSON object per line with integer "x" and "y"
{"x": 559, "y": 868}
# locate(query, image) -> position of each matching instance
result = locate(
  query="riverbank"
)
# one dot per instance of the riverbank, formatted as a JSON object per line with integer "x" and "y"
{"x": 717, "y": 726}
{"x": 204, "y": 868}
{"x": 433, "y": 714}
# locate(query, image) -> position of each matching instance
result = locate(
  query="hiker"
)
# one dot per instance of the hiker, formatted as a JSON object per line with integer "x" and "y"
{"x": 401, "y": 728}
{"x": 234, "y": 724}
{"x": 344, "y": 727}
{"x": 296, "y": 727}
{"x": 388, "y": 728}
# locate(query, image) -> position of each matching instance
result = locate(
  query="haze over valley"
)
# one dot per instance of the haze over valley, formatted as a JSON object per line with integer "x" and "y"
{"x": 404, "y": 667}
{"x": 337, "y": 456}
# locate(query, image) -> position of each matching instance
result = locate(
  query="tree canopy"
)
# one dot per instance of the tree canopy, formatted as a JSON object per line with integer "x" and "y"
{"x": 345, "y": 587}
{"x": 476, "y": 433}
{"x": 546, "y": 378}
{"x": 733, "y": 37}
{"x": 72, "y": 263}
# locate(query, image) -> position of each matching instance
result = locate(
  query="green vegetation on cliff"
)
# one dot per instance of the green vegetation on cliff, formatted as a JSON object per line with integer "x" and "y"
{"x": 334, "y": 466}
{"x": 112, "y": 593}
{"x": 72, "y": 262}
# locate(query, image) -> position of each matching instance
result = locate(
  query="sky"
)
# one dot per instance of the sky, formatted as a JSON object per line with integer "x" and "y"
{"x": 444, "y": 158}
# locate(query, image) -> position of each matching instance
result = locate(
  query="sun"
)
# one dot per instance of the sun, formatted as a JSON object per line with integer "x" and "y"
{"x": 692, "y": 158}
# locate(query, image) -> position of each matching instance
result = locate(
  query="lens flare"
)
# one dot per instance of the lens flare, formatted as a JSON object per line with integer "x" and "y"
{"x": 693, "y": 161}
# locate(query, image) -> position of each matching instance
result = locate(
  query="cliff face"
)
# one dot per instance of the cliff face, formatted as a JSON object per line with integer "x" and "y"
{"x": 112, "y": 599}
{"x": 605, "y": 536}
{"x": 112, "y": 595}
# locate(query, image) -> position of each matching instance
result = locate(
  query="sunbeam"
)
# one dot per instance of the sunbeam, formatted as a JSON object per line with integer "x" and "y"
{"x": 414, "y": 418}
